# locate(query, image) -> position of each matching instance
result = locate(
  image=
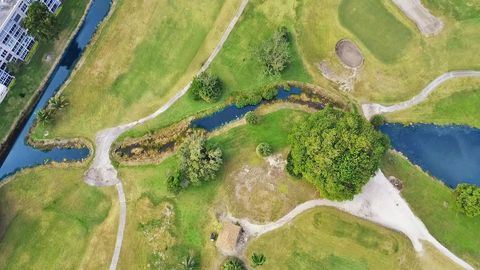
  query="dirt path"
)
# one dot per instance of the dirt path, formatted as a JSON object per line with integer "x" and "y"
{"x": 102, "y": 172}
{"x": 428, "y": 24}
{"x": 371, "y": 109}
{"x": 379, "y": 202}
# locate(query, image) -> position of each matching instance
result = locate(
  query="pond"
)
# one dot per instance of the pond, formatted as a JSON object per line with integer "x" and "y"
{"x": 232, "y": 112}
{"x": 22, "y": 155}
{"x": 450, "y": 153}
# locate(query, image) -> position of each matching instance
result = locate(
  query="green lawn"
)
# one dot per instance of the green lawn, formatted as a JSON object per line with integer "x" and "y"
{"x": 455, "y": 102}
{"x": 460, "y": 9}
{"x": 434, "y": 204}
{"x": 377, "y": 28}
{"x": 326, "y": 238}
{"x": 50, "y": 218}
{"x": 33, "y": 73}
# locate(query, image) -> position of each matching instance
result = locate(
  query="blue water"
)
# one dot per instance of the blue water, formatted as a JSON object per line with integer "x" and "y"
{"x": 22, "y": 155}
{"x": 231, "y": 112}
{"x": 450, "y": 153}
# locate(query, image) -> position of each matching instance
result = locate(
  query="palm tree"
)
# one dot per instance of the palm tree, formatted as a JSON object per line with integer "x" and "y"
{"x": 58, "y": 102}
{"x": 258, "y": 259}
{"x": 233, "y": 264}
{"x": 44, "y": 116}
{"x": 189, "y": 263}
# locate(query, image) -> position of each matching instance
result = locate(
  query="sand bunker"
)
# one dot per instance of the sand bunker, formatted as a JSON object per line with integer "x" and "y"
{"x": 349, "y": 54}
{"x": 428, "y": 24}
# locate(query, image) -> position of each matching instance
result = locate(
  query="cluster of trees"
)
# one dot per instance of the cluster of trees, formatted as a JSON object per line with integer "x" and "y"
{"x": 40, "y": 23}
{"x": 336, "y": 151}
{"x": 256, "y": 96}
{"x": 207, "y": 87}
{"x": 274, "y": 54}
{"x": 198, "y": 162}
{"x": 55, "y": 104}
{"x": 468, "y": 199}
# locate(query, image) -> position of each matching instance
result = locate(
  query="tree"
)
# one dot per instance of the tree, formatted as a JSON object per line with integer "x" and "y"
{"x": 258, "y": 259}
{"x": 40, "y": 23}
{"x": 199, "y": 161}
{"x": 264, "y": 149}
{"x": 207, "y": 87}
{"x": 274, "y": 54}
{"x": 174, "y": 183}
{"x": 468, "y": 199}
{"x": 58, "y": 102}
{"x": 377, "y": 120}
{"x": 44, "y": 116}
{"x": 189, "y": 262}
{"x": 233, "y": 264}
{"x": 251, "y": 118}
{"x": 336, "y": 151}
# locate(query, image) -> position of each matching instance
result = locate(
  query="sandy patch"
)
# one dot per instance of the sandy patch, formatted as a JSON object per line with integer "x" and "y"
{"x": 348, "y": 53}
{"x": 428, "y": 24}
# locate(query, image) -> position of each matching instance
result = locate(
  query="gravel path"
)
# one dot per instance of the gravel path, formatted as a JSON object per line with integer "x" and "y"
{"x": 102, "y": 172}
{"x": 379, "y": 202}
{"x": 370, "y": 110}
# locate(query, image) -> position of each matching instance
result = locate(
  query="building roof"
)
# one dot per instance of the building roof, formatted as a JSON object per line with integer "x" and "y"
{"x": 6, "y": 6}
{"x": 228, "y": 237}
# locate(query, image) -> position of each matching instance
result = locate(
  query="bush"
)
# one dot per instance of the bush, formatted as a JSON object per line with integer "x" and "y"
{"x": 251, "y": 118}
{"x": 199, "y": 161}
{"x": 468, "y": 199}
{"x": 268, "y": 93}
{"x": 233, "y": 263}
{"x": 174, "y": 183}
{"x": 207, "y": 87}
{"x": 274, "y": 54}
{"x": 247, "y": 99}
{"x": 377, "y": 120}
{"x": 336, "y": 151}
{"x": 264, "y": 149}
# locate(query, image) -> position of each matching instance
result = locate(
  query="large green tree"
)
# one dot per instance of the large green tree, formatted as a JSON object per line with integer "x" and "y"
{"x": 207, "y": 87}
{"x": 336, "y": 151}
{"x": 41, "y": 23}
{"x": 468, "y": 199}
{"x": 199, "y": 161}
{"x": 274, "y": 53}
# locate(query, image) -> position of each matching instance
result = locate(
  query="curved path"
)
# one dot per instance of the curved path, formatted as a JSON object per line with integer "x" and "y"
{"x": 102, "y": 172}
{"x": 379, "y": 202}
{"x": 370, "y": 110}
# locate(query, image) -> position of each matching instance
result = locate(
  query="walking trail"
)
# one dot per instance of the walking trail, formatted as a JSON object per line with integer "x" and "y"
{"x": 370, "y": 110}
{"x": 102, "y": 172}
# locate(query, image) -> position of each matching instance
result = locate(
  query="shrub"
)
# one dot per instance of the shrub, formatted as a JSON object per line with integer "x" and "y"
{"x": 174, "y": 183}
{"x": 268, "y": 93}
{"x": 274, "y": 54}
{"x": 207, "y": 87}
{"x": 251, "y": 118}
{"x": 336, "y": 151}
{"x": 377, "y": 120}
{"x": 258, "y": 259}
{"x": 233, "y": 263}
{"x": 468, "y": 199}
{"x": 264, "y": 149}
{"x": 199, "y": 161}
{"x": 247, "y": 99}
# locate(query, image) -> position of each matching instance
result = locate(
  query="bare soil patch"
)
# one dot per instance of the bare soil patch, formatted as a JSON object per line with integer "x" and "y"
{"x": 348, "y": 53}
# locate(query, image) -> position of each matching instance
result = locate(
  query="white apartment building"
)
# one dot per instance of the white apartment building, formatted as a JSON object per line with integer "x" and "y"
{"x": 15, "y": 43}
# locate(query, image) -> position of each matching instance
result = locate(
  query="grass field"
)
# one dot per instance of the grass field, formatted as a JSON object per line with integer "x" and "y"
{"x": 146, "y": 52}
{"x": 434, "y": 204}
{"x": 325, "y": 238}
{"x": 363, "y": 19}
{"x": 455, "y": 102}
{"x": 422, "y": 60}
{"x": 459, "y": 9}
{"x": 31, "y": 74}
{"x": 51, "y": 220}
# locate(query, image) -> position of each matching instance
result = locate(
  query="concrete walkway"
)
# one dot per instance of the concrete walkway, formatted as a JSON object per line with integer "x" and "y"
{"x": 370, "y": 110}
{"x": 102, "y": 172}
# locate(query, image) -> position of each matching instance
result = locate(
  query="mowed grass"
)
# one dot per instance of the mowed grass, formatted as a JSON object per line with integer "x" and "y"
{"x": 377, "y": 28}
{"x": 146, "y": 51}
{"x": 421, "y": 61}
{"x": 49, "y": 218}
{"x": 459, "y": 9}
{"x": 455, "y": 102}
{"x": 32, "y": 73}
{"x": 236, "y": 64}
{"x": 434, "y": 204}
{"x": 326, "y": 238}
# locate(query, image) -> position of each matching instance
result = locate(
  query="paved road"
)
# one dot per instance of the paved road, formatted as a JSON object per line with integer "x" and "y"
{"x": 370, "y": 110}
{"x": 102, "y": 172}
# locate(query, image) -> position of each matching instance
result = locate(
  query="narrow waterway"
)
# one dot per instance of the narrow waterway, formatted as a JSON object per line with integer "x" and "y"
{"x": 22, "y": 155}
{"x": 450, "y": 153}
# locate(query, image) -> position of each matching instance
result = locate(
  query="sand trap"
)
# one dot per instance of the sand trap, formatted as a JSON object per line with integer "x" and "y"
{"x": 349, "y": 54}
{"x": 428, "y": 24}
